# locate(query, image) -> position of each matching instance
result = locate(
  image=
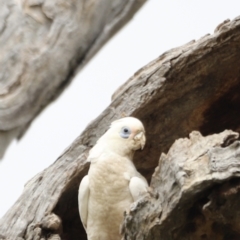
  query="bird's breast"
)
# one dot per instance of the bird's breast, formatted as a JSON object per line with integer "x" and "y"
{"x": 109, "y": 192}
{"x": 109, "y": 176}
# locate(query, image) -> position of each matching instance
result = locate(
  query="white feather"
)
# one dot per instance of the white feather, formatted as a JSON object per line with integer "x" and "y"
{"x": 83, "y": 196}
{"x": 137, "y": 187}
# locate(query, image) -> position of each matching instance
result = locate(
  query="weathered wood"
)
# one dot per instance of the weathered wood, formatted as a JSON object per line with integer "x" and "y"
{"x": 42, "y": 43}
{"x": 186, "y": 88}
{"x": 196, "y": 189}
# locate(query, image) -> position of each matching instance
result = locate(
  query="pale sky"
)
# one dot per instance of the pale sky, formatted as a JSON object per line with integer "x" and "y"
{"x": 156, "y": 28}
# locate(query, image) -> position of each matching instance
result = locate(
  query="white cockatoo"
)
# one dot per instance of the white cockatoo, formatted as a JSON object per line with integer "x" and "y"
{"x": 113, "y": 182}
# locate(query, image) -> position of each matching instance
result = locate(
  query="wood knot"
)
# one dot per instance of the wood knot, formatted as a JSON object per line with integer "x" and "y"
{"x": 52, "y": 222}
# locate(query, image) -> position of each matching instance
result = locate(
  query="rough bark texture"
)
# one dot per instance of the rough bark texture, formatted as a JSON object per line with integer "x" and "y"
{"x": 42, "y": 44}
{"x": 193, "y": 87}
{"x": 196, "y": 190}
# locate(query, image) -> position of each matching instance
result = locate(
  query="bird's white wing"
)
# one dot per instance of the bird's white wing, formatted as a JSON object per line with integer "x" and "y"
{"x": 83, "y": 196}
{"x": 137, "y": 186}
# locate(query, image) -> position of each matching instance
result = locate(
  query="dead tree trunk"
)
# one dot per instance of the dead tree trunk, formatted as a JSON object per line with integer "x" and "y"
{"x": 196, "y": 190}
{"x": 193, "y": 87}
{"x": 42, "y": 43}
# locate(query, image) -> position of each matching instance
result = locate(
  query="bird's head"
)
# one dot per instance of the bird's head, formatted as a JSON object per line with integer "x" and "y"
{"x": 125, "y": 136}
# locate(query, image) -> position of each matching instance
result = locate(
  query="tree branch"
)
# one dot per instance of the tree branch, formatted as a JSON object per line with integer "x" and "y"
{"x": 43, "y": 43}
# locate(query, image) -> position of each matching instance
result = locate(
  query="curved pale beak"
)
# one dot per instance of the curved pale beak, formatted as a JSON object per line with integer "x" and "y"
{"x": 141, "y": 138}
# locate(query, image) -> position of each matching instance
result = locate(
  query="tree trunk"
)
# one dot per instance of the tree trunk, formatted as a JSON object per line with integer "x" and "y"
{"x": 43, "y": 42}
{"x": 193, "y": 87}
{"x": 196, "y": 190}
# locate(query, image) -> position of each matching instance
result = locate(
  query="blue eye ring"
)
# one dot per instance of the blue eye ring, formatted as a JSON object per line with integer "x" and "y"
{"x": 125, "y": 132}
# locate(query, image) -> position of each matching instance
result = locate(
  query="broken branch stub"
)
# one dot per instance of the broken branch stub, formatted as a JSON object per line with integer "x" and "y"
{"x": 196, "y": 190}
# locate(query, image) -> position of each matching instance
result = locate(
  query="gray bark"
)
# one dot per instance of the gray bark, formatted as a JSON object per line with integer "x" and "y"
{"x": 195, "y": 192}
{"x": 43, "y": 43}
{"x": 193, "y": 87}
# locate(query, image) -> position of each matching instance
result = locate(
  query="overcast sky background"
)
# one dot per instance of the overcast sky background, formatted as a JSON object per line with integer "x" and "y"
{"x": 156, "y": 28}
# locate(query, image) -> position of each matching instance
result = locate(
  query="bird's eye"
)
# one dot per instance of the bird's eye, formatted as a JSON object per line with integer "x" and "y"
{"x": 125, "y": 132}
